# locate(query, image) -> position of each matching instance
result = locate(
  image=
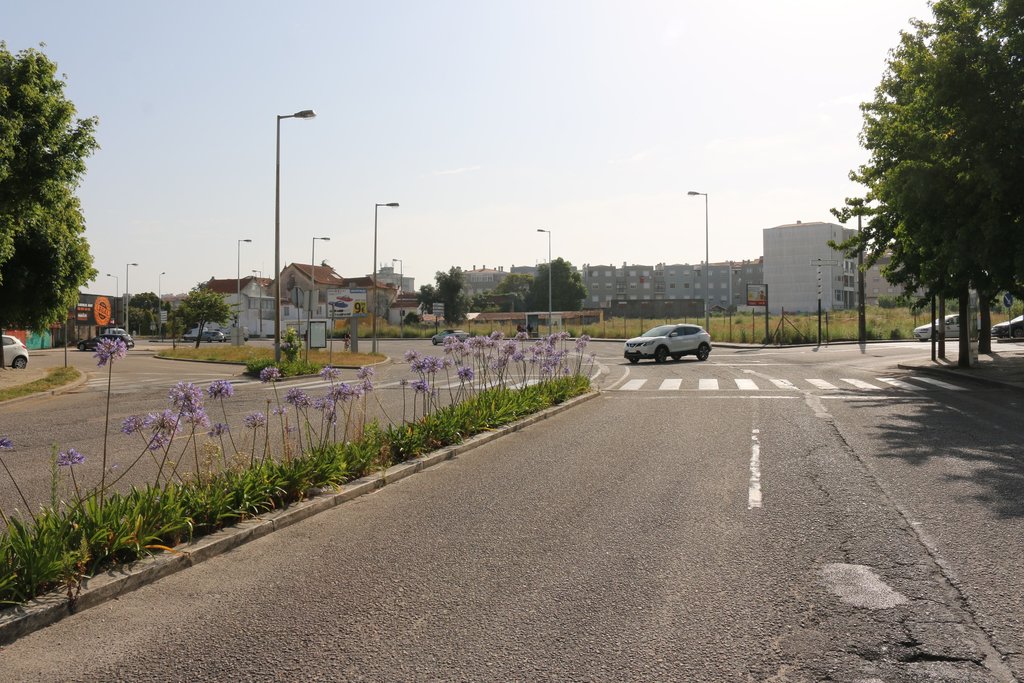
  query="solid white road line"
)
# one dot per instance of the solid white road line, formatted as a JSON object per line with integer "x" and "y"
{"x": 708, "y": 385}
{"x": 671, "y": 384}
{"x": 938, "y": 383}
{"x": 754, "y": 487}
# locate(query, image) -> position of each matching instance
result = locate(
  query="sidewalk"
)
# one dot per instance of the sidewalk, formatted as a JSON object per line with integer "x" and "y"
{"x": 1003, "y": 367}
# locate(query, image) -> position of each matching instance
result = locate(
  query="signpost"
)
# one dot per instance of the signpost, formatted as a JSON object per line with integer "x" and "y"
{"x": 757, "y": 295}
{"x": 348, "y": 303}
{"x": 821, "y": 262}
{"x": 438, "y": 312}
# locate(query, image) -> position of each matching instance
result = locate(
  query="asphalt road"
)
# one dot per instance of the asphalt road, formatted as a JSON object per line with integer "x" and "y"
{"x": 796, "y": 515}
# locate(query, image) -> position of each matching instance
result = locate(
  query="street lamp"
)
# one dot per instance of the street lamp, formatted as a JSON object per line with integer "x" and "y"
{"x": 549, "y": 277}
{"x": 313, "y": 298}
{"x": 401, "y": 283}
{"x": 159, "y": 302}
{"x": 117, "y": 287}
{"x": 374, "y": 312}
{"x": 707, "y": 262}
{"x": 304, "y": 114}
{"x": 127, "y": 298}
{"x": 238, "y": 293}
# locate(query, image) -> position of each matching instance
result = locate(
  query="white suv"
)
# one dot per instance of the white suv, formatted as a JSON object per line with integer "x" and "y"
{"x": 676, "y": 340}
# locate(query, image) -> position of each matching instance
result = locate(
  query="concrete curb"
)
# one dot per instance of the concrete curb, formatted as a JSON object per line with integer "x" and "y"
{"x": 956, "y": 374}
{"x": 53, "y": 607}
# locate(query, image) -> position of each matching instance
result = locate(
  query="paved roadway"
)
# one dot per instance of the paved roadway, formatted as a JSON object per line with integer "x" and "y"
{"x": 804, "y": 514}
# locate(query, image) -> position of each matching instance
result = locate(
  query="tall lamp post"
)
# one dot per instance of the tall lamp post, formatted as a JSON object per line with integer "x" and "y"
{"x": 127, "y": 297}
{"x": 374, "y": 312}
{"x": 401, "y": 283}
{"x": 159, "y": 303}
{"x": 117, "y": 288}
{"x": 238, "y": 294}
{"x": 304, "y": 114}
{"x": 313, "y": 298}
{"x": 707, "y": 262}
{"x": 550, "y": 276}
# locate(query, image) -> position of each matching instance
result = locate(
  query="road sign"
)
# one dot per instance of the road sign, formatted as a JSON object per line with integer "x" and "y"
{"x": 1007, "y": 299}
{"x": 438, "y": 310}
{"x": 347, "y": 303}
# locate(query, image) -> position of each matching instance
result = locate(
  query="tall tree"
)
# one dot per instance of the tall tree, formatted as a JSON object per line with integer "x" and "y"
{"x": 44, "y": 257}
{"x": 201, "y": 306}
{"x": 567, "y": 289}
{"x": 451, "y": 292}
{"x": 944, "y": 132}
{"x": 517, "y": 287}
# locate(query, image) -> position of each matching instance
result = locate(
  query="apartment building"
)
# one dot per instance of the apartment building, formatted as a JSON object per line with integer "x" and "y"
{"x": 800, "y": 268}
{"x": 608, "y": 286}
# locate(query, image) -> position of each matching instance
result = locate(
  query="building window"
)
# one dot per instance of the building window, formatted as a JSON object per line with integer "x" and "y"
{"x": 632, "y": 285}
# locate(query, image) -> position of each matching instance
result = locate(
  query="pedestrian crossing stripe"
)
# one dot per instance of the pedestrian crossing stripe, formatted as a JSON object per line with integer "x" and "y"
{"x": 746, "y": 384}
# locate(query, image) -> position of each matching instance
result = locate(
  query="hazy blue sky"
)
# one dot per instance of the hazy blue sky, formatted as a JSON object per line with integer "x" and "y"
{"x": 486, "y": 120}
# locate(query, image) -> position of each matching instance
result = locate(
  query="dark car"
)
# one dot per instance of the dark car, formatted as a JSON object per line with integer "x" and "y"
{"x": 90, "y": 344}
{"x": 1012, "y": 328}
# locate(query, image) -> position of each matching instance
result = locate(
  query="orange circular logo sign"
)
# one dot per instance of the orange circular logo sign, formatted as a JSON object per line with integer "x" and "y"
{"x": 101, "y": 310}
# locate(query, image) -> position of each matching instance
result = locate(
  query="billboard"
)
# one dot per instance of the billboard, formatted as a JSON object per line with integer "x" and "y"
{"x": 346, "y": 303}
{"x": 93, "y": 309}
{"x": 757, "y": 295}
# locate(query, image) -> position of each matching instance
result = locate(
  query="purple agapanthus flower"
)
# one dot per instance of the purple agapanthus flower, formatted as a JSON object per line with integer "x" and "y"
{"x": 411, "y": 355}
{"x": 421, "y": 386}
{"x": 298, "y": 398}
{"x": 466, "y": 373}
{"x": 186, "y": 398}
{"x": 255, "y": 420}
{"x": 6, "y": 444}
{"x": 221, "y": 388}
{"x": 219, "y": 429}
{"x": 108, "y": 349}
{"x": 329, "y": 373}
{"x": 70, "y": 457}
{"x": 132, "y": 424}
{"x": 365, "y": 372}
{"x": 270, "y": 374}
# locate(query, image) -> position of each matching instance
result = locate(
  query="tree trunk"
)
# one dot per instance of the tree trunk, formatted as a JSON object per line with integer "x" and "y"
{"x": 963, "y": 359}
{"x": 985, "y": 329}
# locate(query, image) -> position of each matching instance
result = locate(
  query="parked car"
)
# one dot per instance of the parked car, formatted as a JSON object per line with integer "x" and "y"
{"x": 15, "y": 353}
{"x": 441, "y": 336}
{"x": 109, "y": 333}
{"x": 1011, "y": 328}
{"x": 675, "y": 340}
{"x": 213, "y": 336}
{"x": 924, "y": 332}
{"x": 227, "y": 332}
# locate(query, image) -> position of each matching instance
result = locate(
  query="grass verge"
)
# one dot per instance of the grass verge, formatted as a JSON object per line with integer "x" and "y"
{"x": 56, "y": 377}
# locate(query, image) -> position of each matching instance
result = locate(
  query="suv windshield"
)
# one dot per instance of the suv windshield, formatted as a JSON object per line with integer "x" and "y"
{"x": 660, "y": 331}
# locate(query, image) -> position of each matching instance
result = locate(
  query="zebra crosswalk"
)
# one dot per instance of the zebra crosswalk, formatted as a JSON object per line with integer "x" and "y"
{"x": 746, "y": 384}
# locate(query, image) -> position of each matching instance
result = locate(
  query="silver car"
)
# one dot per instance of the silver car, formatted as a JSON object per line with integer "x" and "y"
{"x": 664, "y": 341}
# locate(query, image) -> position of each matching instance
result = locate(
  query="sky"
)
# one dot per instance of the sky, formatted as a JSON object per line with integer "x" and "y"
{"x": 484, "y": 119}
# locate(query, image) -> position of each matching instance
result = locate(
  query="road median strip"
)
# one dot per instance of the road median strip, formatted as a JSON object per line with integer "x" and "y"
{"x": 48, "y": 609}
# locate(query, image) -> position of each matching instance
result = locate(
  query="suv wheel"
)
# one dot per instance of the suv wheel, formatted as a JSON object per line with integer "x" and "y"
{"x": 660, "y": 354}
{"x": 703, "y": 351}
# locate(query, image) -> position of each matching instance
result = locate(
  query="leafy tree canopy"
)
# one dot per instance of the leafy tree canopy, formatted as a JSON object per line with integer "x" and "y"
{"x": 567, "y": 289}
{"x": 516, "y": 285}
{"x": 44, "y": 257}
{"x": 201, "y": 306}
{"x": 450, "y": 290}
